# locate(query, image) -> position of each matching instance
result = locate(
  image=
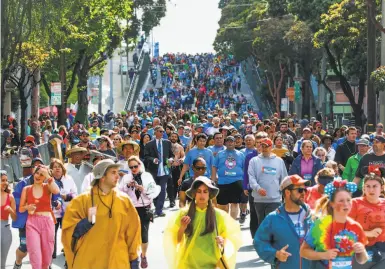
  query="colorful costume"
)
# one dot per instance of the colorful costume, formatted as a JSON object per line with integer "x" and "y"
{"x": 201, "y": 251}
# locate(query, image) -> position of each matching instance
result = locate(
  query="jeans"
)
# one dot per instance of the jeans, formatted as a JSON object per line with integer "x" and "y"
{"x": 264, "y": 209}
{"x": 253, "y": 216}
{"x": 159, "y": 201}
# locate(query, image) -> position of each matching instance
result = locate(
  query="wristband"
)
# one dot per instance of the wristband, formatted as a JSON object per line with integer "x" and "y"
{"x": 50, "y": 180}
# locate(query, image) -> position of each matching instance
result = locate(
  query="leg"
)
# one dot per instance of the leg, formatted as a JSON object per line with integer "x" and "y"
{"x": 253, "y": 216}
{"x": 224, "y": 207}
{"x": 260, "y": 210}
{"x": 47, "y": 237}
{"x": 271, "y": 207}
{"x": 170, "y": 191}
{"x": 58, "y": 221}
{"x": 234, "y": 210}
{"x": 21, "y": 251}
{"x": 34, "y": 242}
{"x": 162, "y": 196}
{"x": 6, "y": 241}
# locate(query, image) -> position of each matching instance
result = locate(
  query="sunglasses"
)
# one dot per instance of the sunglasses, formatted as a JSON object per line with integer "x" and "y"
{"x": 116, "y": 139}
{"x": 300, "y": 190}
{"x": 200, "y": 168}
{"x": 160, "y": 131}
{"x": 133, "y": 167}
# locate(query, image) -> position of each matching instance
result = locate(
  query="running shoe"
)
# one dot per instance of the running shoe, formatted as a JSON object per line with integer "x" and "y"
{"x": 242, "y": 218}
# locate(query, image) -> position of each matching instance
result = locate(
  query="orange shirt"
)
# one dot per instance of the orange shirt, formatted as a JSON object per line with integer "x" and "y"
{"x": 312, "y": 195}
{"x": 370, "y": 216}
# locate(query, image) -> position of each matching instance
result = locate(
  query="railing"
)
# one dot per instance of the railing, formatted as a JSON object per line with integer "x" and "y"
{"x": 134, "y": 82}
{"x": 12, "y": 164}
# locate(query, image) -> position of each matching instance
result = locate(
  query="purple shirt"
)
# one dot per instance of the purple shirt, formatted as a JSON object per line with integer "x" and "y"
{"x": 307, "y": 168}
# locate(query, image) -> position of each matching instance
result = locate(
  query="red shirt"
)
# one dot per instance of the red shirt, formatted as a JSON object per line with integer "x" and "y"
{"x": 5, "y": 213}
{"x": 43, "y": 203}
{"x": 370, "y": 216}
{"x": 312, "y": 195}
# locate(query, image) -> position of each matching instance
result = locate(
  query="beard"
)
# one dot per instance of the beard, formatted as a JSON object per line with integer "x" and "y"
{"x": 296, "y": 201}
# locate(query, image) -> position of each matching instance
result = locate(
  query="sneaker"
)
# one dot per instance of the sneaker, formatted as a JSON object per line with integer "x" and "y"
{"x": 143, "y": 262}
{"x": 242, "y": 218}
{"x": 160, "y": 215}
{"x": 17, "y": 266}
{"x": 172, "y": 204}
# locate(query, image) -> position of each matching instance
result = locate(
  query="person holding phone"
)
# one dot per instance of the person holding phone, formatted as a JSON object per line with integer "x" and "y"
{"x": 40, "y": 227}
{"x": 142, "y": 189}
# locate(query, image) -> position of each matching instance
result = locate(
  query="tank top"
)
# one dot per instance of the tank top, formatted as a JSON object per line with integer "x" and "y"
{"x": 43, "y": 204}
{"x": 5, "y": 213}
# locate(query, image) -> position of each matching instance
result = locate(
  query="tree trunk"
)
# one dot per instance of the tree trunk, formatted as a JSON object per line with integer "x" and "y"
{"x": 82, "y": 113}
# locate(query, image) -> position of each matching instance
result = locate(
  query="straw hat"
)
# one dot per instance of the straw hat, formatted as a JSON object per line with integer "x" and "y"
{"x": 76, "y": 149}
{"x": 133, "y": 143}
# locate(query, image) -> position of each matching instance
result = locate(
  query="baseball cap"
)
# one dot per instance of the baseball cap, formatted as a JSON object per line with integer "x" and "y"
{"x": 293, "y": 180}
{"x": 230, "y": 138}
{"x": 198, "y": 125}
{"x": 267, "y": 142}
{"x": 100, "y": 169}
{"x": 30, "y": 138}
{"x": 306, "y": 129}
{"x": 363, "y": 141}
{"x": 380, "y": 138}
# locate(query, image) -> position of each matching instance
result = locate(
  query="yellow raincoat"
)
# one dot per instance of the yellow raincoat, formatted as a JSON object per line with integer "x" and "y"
{"x": 201, "y": 252}
{"x": 112, "y": 242}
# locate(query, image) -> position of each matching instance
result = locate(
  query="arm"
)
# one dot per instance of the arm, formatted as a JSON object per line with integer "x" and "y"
{"x": 182, "y": 199}
{"x": 246, "y": 174}
{"x": 23, "y": 201}
{"x": 12, "y": 210}
{"x": 184, "y": 170}
{"x": 214, "y": 174}
{"x": 147, "y": 154}
{"x": 310, "y": 254}
{"x": 133, "y": 234}
{"x": 253, "y": 173}
{"x": 262, "y": 241}
{"x": 52, "y": 187}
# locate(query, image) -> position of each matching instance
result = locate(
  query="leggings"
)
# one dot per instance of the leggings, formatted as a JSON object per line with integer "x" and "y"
{"x": 41, "y": 240}
{"x": 6, "y": 241}
{"x": 145, "y": 224}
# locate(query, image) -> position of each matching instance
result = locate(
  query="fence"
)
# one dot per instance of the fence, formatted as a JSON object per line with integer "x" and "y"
{"x": 12, "y": 163}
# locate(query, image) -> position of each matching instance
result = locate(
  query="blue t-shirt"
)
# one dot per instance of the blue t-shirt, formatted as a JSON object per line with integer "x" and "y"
{"x": 215, "y": 149}
{"x": 203, "y": 153}
{"x": 229, "y": 164}
{"x": 247, "y": 151}
{"x": 185, "y": 140}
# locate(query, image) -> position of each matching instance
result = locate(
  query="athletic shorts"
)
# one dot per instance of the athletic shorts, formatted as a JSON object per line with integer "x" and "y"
{"x": 230, "y": 193}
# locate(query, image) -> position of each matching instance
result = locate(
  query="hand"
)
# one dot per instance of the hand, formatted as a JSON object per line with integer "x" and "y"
{"x": 359, "y": 248}
{"x": 139, "y": 187}
{"x": 246, "y": 192}
{"x": 375, "y": 232}
{"x": 9, "y": 209}
{"x": 179, "y": 182}
{"x": 30, "y": 208}
{"x": 262, "y": 192}
{"x": 45, "y": 171}
{"x": 156, "y": 160}
{"x": 185, "y": 222}
{"x": 91, "y": 214}
{"x": 220, "y": 241}
{"x": 330, "y": 254}
{"x": 63, "y": 196}
{"x": 282, "y": 254}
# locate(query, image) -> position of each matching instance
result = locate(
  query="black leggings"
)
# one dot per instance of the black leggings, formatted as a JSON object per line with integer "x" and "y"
{"x": 172, "y": 184}
{"x": 145, "y": 224}
{"x": 58, "y": 223}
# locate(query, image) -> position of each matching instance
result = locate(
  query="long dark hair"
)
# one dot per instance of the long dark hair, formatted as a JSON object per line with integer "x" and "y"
{"x": 210, "y": 217}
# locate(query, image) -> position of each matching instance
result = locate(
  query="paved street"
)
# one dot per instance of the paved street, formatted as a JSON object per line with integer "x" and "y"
{"x": 246, "y": 258}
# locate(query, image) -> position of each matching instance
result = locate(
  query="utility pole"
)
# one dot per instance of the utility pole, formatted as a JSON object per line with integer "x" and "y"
{"x": 100, "y": 95}
{"x": 382, "y": 93}
{"x": 35, "y": 95}
{"x": 371, "y": 66}
{"x": 111, "y": 86}
{"x": 62, "y": 115}
{"x": 121, "y": 72}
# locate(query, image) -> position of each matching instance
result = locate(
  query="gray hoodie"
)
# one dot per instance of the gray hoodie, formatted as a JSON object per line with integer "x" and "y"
{"x": 266, "y": 173}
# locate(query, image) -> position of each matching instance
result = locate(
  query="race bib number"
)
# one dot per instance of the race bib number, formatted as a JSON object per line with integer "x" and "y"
{"x": 307, "y": 177}
{"x": 230, "y": 174}
{"x": 269, "y": 170}
{"x": 342, "y": 263}
{"x": 370, "y": 256}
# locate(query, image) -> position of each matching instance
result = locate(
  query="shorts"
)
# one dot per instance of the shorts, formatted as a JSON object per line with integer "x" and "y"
{"x": 23, "y": 240}
{"x": 230, "y": 193}
{"x": 244, "y": 198}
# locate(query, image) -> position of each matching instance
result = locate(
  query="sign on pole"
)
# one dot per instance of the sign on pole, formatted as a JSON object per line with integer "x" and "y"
{"x": 284, "y": 104}
{"x": 290, "y": 93}
{"x": 55, "y": 93}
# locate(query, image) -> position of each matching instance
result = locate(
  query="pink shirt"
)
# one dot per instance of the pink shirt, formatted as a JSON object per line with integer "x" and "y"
{"x": 307, "y": 168}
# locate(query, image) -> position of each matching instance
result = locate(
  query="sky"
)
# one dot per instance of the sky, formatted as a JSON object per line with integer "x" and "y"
{"x": 189, "y": 26}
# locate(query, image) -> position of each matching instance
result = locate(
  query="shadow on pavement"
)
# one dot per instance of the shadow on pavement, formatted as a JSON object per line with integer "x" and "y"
{"x": 255, "y": 263}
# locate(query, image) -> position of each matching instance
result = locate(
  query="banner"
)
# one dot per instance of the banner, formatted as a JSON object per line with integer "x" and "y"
{"x": 284, "y": 104}
{"x": 55, "y": 93}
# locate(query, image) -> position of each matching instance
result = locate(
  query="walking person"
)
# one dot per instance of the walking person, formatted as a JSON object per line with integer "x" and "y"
{"x": 335, "y": 239}
{"x": 195, "y": 236}
{"x": 101, "y": 228}
{"x": 40, "y": 227}
{"x": 142, "y": 189}
{"x": 8, "y": 208}
{"x": 158, "y": 155}
{"x": 68, "y": 191}
{"x": 266, "y": 172}
{"x": 279, "y": 236}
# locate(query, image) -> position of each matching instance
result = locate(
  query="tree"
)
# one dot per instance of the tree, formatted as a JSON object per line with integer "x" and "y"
{"x": 343, "y": 36}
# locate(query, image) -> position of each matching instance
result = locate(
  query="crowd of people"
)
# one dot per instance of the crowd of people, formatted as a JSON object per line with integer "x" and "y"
{"x": 314, "y": 197}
